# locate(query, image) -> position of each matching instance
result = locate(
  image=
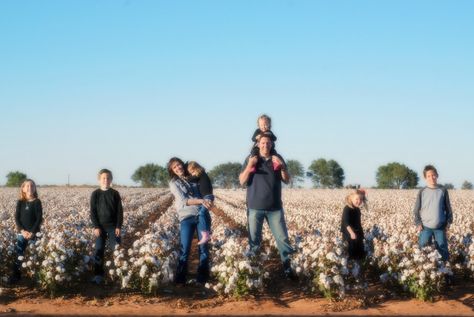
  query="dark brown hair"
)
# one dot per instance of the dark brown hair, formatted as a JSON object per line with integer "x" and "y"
{"x": 104, "y": 170}
{"x": 169, "y": 167}
{"x": 429, "y": 168}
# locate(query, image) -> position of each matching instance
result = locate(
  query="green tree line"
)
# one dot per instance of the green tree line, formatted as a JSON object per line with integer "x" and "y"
{"x": 323, "y": 173}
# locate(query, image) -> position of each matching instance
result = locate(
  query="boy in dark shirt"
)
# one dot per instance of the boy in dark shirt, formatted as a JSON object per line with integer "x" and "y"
{"x": 28, "y": 218}
{"x": 200, "y": 177}
{"x": 107, "y": 219}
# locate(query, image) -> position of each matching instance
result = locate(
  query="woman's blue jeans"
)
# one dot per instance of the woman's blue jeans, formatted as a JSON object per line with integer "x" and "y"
{"x": 187, "y": 228}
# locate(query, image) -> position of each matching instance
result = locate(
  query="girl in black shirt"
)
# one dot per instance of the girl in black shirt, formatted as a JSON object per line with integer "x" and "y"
{"x": 351, "y": 226}
{"x": 28, "y": 218}
{"x": 200, "y": 177}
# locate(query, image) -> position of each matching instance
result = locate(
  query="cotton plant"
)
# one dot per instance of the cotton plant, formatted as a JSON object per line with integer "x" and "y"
{"x": 151, "y": 260}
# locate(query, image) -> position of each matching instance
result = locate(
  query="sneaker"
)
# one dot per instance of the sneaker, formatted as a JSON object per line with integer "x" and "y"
{"x": 97, "y": 279}
{"x": 14, "y": 279}
{"x": 205, "y": 237}
{"x": 289, "y": 273}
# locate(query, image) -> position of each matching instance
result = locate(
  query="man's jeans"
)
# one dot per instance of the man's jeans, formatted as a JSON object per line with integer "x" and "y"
{"x": 276, "y": 222}
{"x": 440, "y": 238}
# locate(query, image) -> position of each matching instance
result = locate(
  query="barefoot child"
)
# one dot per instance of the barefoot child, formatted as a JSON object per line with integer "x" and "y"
{"x": 28, "y": 218}
{"x": 107, "y": 219}
{"x": 351, "y": 226}
{"x": 200, "y": 177}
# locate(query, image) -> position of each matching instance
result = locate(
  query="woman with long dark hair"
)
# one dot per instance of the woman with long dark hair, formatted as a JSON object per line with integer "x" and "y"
{"x": 187, "y": 202}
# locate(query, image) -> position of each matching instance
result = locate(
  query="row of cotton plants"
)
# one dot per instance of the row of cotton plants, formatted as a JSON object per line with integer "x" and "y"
{"x": 236, "y": 271}
{"x": 151, "y": 260}
{"x": 61, "y": 253}
{"x": 313, "y": 218}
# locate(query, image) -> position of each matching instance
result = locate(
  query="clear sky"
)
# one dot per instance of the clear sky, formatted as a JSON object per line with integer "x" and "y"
{"x": 117, "y": 84}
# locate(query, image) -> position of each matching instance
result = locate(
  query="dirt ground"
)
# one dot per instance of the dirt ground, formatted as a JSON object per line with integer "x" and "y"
{"x": 283, "y": 298}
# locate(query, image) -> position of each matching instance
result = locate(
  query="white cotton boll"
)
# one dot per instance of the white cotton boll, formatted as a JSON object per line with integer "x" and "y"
{"x": 57, "y": 277}
{"x": 143, "y": 271}
{"x": 29, "y": 263}
{"x": 108, "y": 263}
{"x": 338, "y": 279}
{"x": 63, "y": 257}
{"x": 21, "y": 257}
{"x": 111, "y": 272}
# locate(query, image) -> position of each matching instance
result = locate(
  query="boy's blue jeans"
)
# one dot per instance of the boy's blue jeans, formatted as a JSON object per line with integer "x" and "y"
{"x": 276, "y": 222}
{"x": 440, "y": 238}
{"x": 204, "y": 218}
{"x": 187, "y": 228}
{"x": 107, "y": 234}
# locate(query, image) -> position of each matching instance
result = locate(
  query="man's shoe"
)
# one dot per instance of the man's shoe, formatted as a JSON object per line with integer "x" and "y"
{"x": 97, "y": 279}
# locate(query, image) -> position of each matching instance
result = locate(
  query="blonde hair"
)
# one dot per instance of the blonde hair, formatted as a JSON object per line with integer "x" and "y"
{"x": 22, "y": 195}
{"x": 265, "y": 117}
{"x": 359, "y": 192}
{"x": 193, "y": 166}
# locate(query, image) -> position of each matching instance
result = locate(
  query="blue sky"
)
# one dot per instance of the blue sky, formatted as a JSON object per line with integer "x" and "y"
{"x": 117, "y": 84}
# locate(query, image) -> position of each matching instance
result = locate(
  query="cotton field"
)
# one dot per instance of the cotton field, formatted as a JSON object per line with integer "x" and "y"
{"x": 146, "y": 260}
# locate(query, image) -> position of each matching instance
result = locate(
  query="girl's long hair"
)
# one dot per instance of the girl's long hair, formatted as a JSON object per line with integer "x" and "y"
{"x": 194, "y": 166}
{"x": 22, "y": 195}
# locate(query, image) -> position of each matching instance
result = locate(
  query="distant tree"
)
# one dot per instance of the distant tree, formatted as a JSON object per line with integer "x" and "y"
{"x": 326, "y": 174}
{"x": 226, "y": 175}
{"x": 466, "y": 185}
{"x": 448, "y": 186}
{"x": 396, "y": 176}
{"x": 14, "y": 179}
{"x": 296, "y": 171}
{"x": 151, "y": 175}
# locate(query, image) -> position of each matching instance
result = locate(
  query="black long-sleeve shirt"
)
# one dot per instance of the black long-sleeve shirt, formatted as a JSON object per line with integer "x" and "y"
{"x": 29, "y": 215}
{"x": 351, "y": 217}
{"x": 204, "y": 184}
{"x": 106, "y": 208}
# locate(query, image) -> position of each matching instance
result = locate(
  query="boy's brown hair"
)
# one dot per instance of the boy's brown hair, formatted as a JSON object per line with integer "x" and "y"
{"x": 105, "y": 171}
{"x": 429, "y": 168}
{"x": 22, "y": 194}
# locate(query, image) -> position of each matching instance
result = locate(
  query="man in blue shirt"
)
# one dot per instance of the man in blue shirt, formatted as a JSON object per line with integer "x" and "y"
{"x": 263, "y": 174}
